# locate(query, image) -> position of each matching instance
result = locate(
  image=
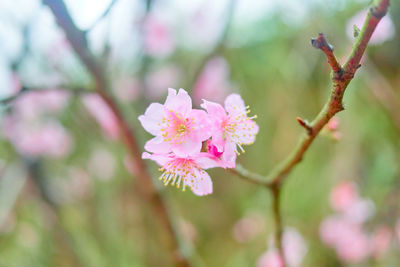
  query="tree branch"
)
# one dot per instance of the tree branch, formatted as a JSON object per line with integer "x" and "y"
{"x": 334, "y": 103}
{"x": 341, "y": 79}
{"x": 147, "y": 189}
{"x": 321, "y": 43}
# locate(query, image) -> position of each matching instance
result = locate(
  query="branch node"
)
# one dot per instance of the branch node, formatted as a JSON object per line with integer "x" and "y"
{"x": 305, "y": 124}
{"x": 321, "y": 43}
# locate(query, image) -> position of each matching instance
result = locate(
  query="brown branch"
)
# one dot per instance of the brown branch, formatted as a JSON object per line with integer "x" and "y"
{"x": 147, "y": 189}
{"x": 321, "y": 43}
{"x": 334, "y": 103}
{"x": 341, "y": 78}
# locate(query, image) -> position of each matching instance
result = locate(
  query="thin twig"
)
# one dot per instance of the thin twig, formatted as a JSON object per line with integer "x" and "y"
{"x": 321, "y": 43}
{"x": 147, "y": 189}
{"x": 102, "y": 16}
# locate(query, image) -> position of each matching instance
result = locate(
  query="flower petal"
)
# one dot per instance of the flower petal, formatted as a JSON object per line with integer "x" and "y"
{"x": 152, "y": 118}
{"x": 207, "y": 161}
{"x": 188, "y": 147}
{"x": 214, "y": 109}
{"x": 229, "y": 156}
{"x": 202, "y": 125}
{"x": 180, "y": 103}
{"x": 161, "y": 159}
{"x": 157, "y": 145}
{"x": 201, "y": 183}
{"x": 234, "y": 104}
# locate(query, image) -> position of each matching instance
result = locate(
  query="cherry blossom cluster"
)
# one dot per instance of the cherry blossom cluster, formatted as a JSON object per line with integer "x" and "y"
{"x": 345, "y": 231}
{"x": 187, "y": 141}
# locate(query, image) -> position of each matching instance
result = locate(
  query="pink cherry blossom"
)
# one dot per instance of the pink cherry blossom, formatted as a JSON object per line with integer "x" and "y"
{"x": 213, "y": 83}
{"x": 231, "y": 128}
{"x": 102, "y": 164}
{"x": 343, "y": 195}
{"x": 381, "y": 241}
{"x": 48, "y": 138}
{"x": 271, "y": 258}
{"x": 247, "y": 228}
{"x": 294, "y": 247}
{"x": 186, "y": 171}
{"x": 161, "y": 78}
{"x": 176, "y": 126}
{"x": 103, "y": 115}
{"x": 158, "y": 39}
{"x": 33, "y": 104}
{"x": 383, "y": 32}
{"x": 397, "y": 229}
{"x": 348, "y": 239}
{"x": 127, "y": 89}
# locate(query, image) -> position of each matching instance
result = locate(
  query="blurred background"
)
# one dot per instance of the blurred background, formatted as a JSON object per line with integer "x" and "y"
{"x": 67, "y": 197}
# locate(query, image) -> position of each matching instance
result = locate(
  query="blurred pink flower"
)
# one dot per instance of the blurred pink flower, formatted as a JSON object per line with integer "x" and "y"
{"x": 127, "y": 89}
{"x": 47, "y": 138}
{"x": 158, "y": 80}
{"x": 102, "y": 113}
{"x": 397, "y": 229}
{"x": 383, "y": 32}
{"x": 158, "y": 39}
{"x": 347, "y": 238}
{"x": 294, "y": 247}
{"x": 186, "y": 171}
{"x": 381, "y": 241}
{"x": 176, "y": 126}
{"x": 333, "y": 124}
{"x": 188, "y": 230}
{"x": 79, "y": 183}
{"x": 213, "y": 82}
{"x": 248, "y": 227}
{"x": 102, "y": 164}
{"x": 32, "y": 104}
{"x": 294, "y": 250}
{"x": 343, "y": 195}
{"x": 360, "y": 210}
{"x": 271, "y": 258}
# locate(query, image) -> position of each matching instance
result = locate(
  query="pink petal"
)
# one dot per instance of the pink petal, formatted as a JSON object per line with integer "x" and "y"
{"x": 206, "y": 161}
{"x": 229, "y": 155}
{"x": 161, "y": 159}
{"x": 202, "y": 125}
{"x": 152, "y": 118}
{"x": 214, "y": 109}
{"x": 157, "y": 145}
{"x": 188, "y": 147}
{"x": 181, "y": 102}
{"x": 235, "y": 104}
{"x": 201, "y": 185}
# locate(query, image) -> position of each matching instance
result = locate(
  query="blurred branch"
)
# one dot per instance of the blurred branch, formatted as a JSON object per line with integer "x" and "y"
{"x": 147, "y": 189}
{"x": 24, "y": 89}
{"x": 219, "y": 46}
{"x": 36, "y": 174}
{"x": 251, "y": 177}
{"x": 102, "y": 16}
